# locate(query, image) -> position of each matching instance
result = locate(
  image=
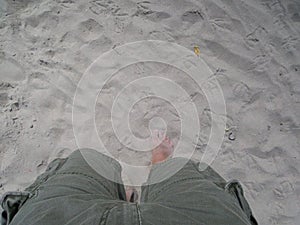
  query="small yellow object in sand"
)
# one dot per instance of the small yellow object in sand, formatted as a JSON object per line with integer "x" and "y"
{"x": 197, "y": 50}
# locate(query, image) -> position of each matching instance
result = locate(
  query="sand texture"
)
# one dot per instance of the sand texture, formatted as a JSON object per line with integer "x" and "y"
{"x": 251, "y": 46}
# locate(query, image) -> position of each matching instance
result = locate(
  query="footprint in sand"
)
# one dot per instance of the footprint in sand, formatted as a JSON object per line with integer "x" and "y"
{"x": 192, "y": 16}
{"x": 89, "y": 29}
{"x": 11, "y": 70}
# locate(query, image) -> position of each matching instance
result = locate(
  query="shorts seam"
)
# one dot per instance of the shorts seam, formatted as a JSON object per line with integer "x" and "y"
{"x": 85, "y": 175}
{"x": 103, "y": 220}
{"x": 139, "y": 214}
{"x": 174, "y": 182}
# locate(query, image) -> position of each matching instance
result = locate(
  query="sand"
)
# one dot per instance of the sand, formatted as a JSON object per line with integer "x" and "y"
{"x": 252, "y": 47}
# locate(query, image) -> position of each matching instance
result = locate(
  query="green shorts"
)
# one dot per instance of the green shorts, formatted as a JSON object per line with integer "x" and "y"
{"x": 70, "y": 192}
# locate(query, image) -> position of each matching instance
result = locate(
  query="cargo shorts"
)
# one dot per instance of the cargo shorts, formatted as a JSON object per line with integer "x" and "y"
{"x": 71, "y": 192}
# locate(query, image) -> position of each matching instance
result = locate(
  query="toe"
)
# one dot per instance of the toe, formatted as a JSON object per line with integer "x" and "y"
{"x": 155, "y": 137}
{"x": 161, "y": 135}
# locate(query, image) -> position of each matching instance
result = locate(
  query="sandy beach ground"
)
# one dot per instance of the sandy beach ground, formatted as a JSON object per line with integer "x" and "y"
{"x": 252, "y": 47}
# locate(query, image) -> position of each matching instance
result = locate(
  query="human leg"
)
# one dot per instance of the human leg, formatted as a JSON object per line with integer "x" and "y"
{"x": 191, "y": 196}
{"x": 71, "y": 192}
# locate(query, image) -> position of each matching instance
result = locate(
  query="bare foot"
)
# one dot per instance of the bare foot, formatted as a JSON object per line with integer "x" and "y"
{"x": 131, "y": 194}
{"x": 164, "y": 149}
{"x": 160, "y": 153}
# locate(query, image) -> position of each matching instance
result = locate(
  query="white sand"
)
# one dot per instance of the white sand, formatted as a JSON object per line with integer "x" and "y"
{"x": 252, "y": 46}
